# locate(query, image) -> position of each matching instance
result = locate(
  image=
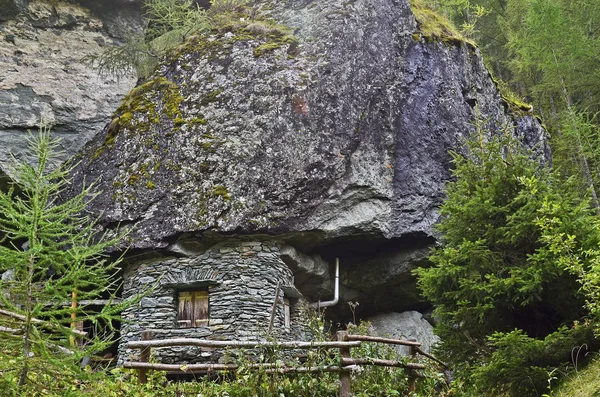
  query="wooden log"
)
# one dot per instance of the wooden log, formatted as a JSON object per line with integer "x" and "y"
{"x": 73, "y": 317}
{"x": 41, "y": 322}
{"x": 380, "y": 363}
{"x": 304, "y": 370}
{"x": 342, "y": 336}
{"x": 236, "y": 344}
{"x": 366, "y": 338}
{"x": 144, "y": 358}
{"x": 145, "y": 366}
{"x": 11, "y": 330}
{"x": 100, "y": 302}
{"x": 88, "y": 302}
{"x": 412, "y": 376}
{"x": 274, "y": 308}
{"x": 192, "y": 368}
{"x": 196, "y": 367}
{"x": 50, "y": 345}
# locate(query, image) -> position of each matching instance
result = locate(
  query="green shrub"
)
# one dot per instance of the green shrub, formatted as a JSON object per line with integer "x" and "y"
{"x": 520, "y": 365}
{"x": 516, "y": 245}
{"x": 53, "y": 255}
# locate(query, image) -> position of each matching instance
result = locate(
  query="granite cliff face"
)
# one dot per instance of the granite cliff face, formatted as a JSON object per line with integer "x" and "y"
{"x": 43, "y": 77}
{"x": 328, "y": 131}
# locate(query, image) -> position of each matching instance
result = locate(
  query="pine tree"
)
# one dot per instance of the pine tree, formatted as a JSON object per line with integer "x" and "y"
{"x": 52, "y": 262}
{"x": 516, "y": 245}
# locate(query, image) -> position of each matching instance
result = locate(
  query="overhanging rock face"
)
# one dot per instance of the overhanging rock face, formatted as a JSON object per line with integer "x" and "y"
{"x": 339, "y": 133}
{"x": 43, "y": 77}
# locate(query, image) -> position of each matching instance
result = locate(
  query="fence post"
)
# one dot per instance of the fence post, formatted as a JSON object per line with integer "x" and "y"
{"x": 144, "y": 357}
{"x": 342, "y": 336}
{"x": 412, "y": 379}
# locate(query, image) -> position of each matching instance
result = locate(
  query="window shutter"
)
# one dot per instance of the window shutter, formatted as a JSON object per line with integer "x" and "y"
{"x": 200, "y": 309}
{"x": 186, "y": 310}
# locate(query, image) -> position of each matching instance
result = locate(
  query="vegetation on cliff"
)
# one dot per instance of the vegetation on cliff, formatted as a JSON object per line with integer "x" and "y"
{"x": 169, "y": 24}
{"x": 516, "y": 281}
{"x": 546, "y": 52}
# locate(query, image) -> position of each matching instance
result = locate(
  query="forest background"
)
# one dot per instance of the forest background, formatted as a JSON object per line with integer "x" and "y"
{"x": 515, "y": 281}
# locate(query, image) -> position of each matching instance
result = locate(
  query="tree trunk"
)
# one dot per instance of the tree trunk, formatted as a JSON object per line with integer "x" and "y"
{"x": 29, "y": 315}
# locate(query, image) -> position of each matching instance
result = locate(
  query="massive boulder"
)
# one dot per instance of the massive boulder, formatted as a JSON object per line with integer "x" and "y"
{"x": 43, "y": 76}
{"x": 328, "y": 129}
{"x": 406, "y": 325}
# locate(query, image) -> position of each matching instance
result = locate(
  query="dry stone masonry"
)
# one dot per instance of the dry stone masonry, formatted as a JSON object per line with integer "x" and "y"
{"x": 241, "y": 278}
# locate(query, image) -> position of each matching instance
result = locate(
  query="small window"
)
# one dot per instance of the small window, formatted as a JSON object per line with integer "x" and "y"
{"x": 193, "y": 309}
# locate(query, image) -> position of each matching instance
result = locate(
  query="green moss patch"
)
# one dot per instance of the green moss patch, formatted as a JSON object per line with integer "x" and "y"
{"x": 143, "y": 107}
{"x": 220, "y": 190}
{"x": 245, "y": 25}
{"x": 435, "y": 27}
{"x": 512, "y": 100}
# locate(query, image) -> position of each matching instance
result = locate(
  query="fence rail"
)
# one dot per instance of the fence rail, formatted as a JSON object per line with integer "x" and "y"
{"x": 344, "y": 343}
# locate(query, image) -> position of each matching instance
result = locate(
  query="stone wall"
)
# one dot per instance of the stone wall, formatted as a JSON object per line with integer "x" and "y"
{"x": 242, "y": 278}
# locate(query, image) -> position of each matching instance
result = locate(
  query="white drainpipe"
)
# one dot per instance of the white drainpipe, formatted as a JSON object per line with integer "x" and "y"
{"x": 336, "y": 291}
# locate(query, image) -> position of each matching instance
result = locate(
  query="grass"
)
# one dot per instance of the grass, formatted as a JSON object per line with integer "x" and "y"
{"x": 584, "y": 383}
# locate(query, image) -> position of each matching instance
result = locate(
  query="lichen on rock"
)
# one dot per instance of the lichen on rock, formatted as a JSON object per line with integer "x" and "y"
{"x": 343, "y": 126}
{"x": 321, "y": 123}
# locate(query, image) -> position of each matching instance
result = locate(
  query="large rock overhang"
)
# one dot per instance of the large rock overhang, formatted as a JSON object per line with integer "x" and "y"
{"x": 333, "y": 139}
{"x": 343, "y": 131}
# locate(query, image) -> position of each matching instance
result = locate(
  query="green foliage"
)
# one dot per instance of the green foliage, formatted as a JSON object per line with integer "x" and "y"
{"x": 515, "y": 241}
{"x": 168, "y": 24}
{"x": 576, "y": 150}
{"x": 226, "y": 6}
{"x": 582, "y": 382}
{"x": 553, "y": 47}
{"x": 546, "y": 49}
{"x": 464, "y": 13}
{"x": 520, "y": 365}
{"x": 433, "y": 25}
{"x": 50, "y": 251}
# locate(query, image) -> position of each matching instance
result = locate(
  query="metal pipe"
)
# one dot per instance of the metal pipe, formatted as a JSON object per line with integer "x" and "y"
{"x": 336, "y": 290}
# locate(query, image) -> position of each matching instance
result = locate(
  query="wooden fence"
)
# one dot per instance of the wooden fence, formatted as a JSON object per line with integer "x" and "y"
{"x": 344, "y": 343}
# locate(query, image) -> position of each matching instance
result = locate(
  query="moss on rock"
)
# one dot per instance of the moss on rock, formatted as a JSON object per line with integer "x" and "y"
{"x": 143, "y": 107}
{"x": 222, "y": 191}
{"x": 435, "y": 27}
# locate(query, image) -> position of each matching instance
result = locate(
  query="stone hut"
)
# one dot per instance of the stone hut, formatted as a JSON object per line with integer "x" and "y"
{"x": 225, "y": 293}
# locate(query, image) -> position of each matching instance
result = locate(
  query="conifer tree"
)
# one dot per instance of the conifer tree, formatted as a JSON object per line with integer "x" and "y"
{"x": 517, "y": 244}
{"x": 53, "y": 265}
